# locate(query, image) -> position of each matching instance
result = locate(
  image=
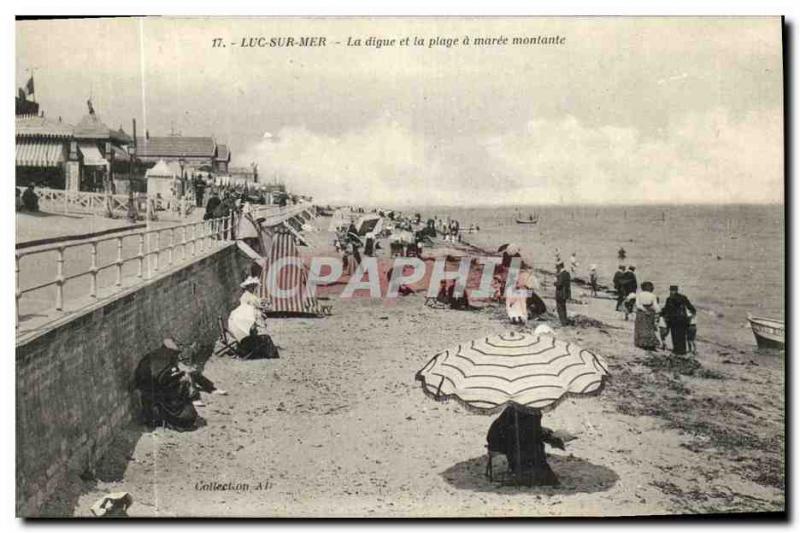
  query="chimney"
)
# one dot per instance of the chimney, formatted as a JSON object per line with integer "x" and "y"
{"x": 147, "y": 134}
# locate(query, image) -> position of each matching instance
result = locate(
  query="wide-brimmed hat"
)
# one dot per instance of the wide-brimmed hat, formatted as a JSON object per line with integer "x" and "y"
{"x": 170, "y": 344}
{"x": 249, "y": 282}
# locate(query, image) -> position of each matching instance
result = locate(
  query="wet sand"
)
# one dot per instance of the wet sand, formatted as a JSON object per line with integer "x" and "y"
{"x": 338, "y": 427}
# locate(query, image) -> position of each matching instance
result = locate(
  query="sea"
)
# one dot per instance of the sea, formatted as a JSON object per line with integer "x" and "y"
{"x": 728, "y": 260}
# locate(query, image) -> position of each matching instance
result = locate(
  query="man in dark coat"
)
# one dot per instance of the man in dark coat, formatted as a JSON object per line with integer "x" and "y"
{"x": 676, "y": 314}
{"x": 211, "y": 206}
{"x": 619, "y": 276}
{"x": 563, "y": 292}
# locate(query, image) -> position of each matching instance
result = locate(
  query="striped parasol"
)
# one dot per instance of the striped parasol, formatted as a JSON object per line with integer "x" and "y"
{"x": 520, "y": 369}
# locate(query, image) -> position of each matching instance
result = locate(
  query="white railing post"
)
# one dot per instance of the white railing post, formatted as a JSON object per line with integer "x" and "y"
{"x": 140, "y": 272}
{"x": 119, "y": 261}
{"x": 183, "y": 242}
{"x": 18, "y": 293}
{"x": 171, "y": 246}
{"x": 93, "y": 271}
{"x": 60, "y": 279}
{"x": 156, "y": 252}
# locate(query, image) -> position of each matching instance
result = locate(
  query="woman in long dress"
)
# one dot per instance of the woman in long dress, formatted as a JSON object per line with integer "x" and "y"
{"x": 645, "y": 333}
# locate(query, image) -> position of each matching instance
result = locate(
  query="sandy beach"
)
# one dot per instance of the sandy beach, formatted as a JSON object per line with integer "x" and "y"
{"x": 338, "y": 427}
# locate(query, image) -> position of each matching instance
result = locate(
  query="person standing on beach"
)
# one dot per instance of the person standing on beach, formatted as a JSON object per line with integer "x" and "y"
{"x": 644, "y": 330}
{"x": 563, "y": 292}
{"x": 593, "y": 280}
{"x": 676, "y": 312}
{"x": 619, "y": 275}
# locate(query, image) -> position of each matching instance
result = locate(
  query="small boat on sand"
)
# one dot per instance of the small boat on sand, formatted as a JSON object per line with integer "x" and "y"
{"x": 769, "y": 332}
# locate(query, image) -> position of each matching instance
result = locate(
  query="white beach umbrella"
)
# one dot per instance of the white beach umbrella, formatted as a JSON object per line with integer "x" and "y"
{"x": 519, "y": 369}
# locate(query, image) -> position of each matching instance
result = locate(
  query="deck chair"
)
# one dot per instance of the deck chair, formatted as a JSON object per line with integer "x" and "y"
{"x": 229, "y": 344}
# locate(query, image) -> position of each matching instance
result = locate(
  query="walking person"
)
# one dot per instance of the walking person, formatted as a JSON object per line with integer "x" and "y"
{"x": 629, "y": 286}
{"x": 618, "y": 277}
{"x": 676, "y": 313}
{"x": 563, "y": 292}
{"x": 647, "y": 310}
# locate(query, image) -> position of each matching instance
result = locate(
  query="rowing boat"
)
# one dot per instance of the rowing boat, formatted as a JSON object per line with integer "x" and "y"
{"x": 769, "y": 332}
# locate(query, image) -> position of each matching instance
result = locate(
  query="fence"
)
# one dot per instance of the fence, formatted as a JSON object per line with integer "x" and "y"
{"x": 67, "y": 201}
{"x": 83, "y": 269}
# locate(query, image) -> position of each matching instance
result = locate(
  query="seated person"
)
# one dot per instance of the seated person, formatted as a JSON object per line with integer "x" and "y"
{"x": 248, "y": 325}
{"x": 166, "y": 391}
{"x": 30, "y": 200}
{"x": 521, "y": 438}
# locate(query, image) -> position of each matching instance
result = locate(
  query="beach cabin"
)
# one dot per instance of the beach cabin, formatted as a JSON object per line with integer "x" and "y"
{"x": 163, "y": 181}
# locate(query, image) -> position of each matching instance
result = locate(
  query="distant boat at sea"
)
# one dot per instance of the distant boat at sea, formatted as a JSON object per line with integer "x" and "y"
{"x": 532, "y": 219}
{"x": 769, "y": 333}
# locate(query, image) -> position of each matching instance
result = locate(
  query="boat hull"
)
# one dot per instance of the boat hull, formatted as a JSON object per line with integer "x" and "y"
{"x": 768, "y": 333}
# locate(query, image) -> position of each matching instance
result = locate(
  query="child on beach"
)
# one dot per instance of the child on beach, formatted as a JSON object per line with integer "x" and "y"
{"x": 691, "y": 333}
{"x": 593, "y": 280}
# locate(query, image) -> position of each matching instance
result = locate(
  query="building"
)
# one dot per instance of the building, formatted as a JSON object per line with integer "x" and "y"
{"x": 54, "y": 154}
{"x": 198, "y": 153}
{"x": 103, "y": 154}
{"x": 45, "y": 152}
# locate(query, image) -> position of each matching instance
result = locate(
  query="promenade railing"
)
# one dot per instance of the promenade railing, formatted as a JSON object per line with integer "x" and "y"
{"x": 67, "y": 201}
{"x": 111, "y": 262}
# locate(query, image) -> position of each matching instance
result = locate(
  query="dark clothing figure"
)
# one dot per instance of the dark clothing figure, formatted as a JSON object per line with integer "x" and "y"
{"x": 166, "y": 391}
{"x": 629, "y": 283}
{"x": 619, "y": 275}
{"x": 563, "y": 293}
{"x": 593, "y": 282}
{"x": 369, "y": 246}
{"x": 520, "y": 437}
{"x": 258, "y": 346}
{"x": 676, "y": 314}
{"x": 30, "y": 200}
{"x": 211, "y": 207}
{"x": 535, "y": 305}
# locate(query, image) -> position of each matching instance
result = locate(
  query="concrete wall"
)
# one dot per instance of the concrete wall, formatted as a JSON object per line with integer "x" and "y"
{"x": 74, "y": 382}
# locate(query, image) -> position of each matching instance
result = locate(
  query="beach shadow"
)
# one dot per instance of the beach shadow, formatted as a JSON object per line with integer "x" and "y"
{"x": 110, "y": 467}
{"x": 576, "y": 475}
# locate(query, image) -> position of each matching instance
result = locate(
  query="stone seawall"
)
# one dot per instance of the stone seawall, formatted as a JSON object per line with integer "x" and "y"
{"x": 75, "y": 380}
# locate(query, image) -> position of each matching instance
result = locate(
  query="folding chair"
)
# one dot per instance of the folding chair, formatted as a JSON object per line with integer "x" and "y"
{"x": 230, "y": 346}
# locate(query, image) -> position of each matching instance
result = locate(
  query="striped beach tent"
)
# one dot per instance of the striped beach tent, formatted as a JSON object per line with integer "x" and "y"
{"x": 529, "y": 372}
{"x": 290, "y": 276}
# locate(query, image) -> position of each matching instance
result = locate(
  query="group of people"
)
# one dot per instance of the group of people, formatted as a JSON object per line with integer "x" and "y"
{"x": 676, "y": 319}
{"x": 625, "y": 284}
{"x": 170, "y": 379}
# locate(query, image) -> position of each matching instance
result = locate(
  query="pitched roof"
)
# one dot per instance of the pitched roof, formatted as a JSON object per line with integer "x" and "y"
{"x": 91, "y": 127}
{"x": 223, "y": 154}
{"x": 36, "y": 126}
{"x": 176, "y": 146}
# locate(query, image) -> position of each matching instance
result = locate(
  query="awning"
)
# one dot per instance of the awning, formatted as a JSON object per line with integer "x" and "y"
{"x": 39, "y": 153}
{"x": 91, "y": 155}
{"x": 119, "y": 153}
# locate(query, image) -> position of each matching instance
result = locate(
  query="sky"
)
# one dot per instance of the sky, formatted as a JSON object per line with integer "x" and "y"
{"x": 626, "y": 111}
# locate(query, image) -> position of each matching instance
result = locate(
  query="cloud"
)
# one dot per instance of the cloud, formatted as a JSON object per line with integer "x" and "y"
{"x": 707, "y": 157}
{"x": 699, "y": 158}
